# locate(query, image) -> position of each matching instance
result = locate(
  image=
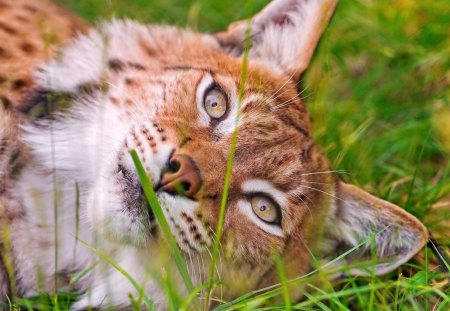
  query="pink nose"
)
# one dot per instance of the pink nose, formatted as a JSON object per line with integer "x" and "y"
{"x": 182, "y": 177}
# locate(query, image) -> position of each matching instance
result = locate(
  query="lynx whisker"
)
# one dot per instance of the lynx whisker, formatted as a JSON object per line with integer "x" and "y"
{"x": 304, "y": 202}
{"x": 192, "y": 267}
{"x": 266, "y": 101}
{"x": 326, "y": 172}
{"x": 196, "y": 266}
{"x": 218, "y": 274}
{"x": 316, "y": 182}
{"x": 122, "y": 91}
{"x": 324, "y": 192}
{"x": 289, "y": 101}
{"x": 221, "y": 252}
{"x": 280, "y": 88}
{"x": 199, "y": 266}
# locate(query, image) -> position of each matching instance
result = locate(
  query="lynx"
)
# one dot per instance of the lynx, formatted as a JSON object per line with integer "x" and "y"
{"x": 176, "y": 97}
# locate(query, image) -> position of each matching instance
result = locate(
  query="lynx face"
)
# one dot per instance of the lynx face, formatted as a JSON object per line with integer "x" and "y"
{"x": 186, "y": 143}
{"x": 177, "y": 98}
{"x": 179, "y": 112}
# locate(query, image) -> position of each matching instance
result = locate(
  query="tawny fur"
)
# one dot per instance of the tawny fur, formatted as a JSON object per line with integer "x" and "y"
{"x": 132, "y": 86}
{"x": 29, "y": 33}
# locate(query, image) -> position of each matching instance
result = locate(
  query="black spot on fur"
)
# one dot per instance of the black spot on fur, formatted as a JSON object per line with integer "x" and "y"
{"x": 3, "y": 52}
{"x": 27, "y": 48}
{"x": 302, "y": 197}
{"x": 136, "y": 66}
{"x": 8, "y": 29}
{"x": 89, "y": 88}
{"x": 2, "y": 146}
{"x": 23, "y": 19}
{"x": 6, "y": 103}
{"x": 116, "y": 65}
{"x": 305, "y": 154}
{"x": 129, "y": 81}
{"x": 193, "y": 228}
{"x": 214, "y": 137}
{"x": 18, "y": 84}
{"x": 30, "y": 8}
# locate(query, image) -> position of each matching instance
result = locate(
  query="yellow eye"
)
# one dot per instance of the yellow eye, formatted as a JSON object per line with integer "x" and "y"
{"x": 266, "y": 209}
{"x": 215, "y": 103}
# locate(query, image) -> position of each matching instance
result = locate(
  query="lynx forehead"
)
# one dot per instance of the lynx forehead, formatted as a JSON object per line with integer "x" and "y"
{"x": 176, "y": 97}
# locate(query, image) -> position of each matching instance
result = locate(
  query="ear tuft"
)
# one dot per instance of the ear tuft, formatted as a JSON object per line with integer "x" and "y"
{"x": 284, "y": 34}
{"x": 390, "y": 231}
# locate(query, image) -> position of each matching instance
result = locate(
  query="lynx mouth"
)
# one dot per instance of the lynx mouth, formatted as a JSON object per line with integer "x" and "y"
{"x": 134, "y": 200}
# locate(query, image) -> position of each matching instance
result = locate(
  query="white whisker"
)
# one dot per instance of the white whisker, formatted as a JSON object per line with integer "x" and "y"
{"x": 218, "y": 274}
{"x": 289, "y": 101}
{"x": 316, "y": 182}
{"x": 326, "y": 172}
{"x": 281, "y": 87}
{"x": 327, "y": 193}
{"x": 306, "y": 204}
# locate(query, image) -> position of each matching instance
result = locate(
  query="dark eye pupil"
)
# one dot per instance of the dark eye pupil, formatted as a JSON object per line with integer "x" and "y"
{"x": 214, "y": 104}
{"x": 262, "y": 208}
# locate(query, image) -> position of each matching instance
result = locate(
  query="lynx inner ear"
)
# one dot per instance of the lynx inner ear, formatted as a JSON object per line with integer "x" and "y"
{"x": 284, "y": 34}
{"x": 392, "y": 235}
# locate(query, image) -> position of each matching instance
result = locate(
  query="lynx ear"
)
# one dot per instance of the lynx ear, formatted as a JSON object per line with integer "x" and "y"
{"x": 357, "y": 216}
{"x": 284, "y": 34}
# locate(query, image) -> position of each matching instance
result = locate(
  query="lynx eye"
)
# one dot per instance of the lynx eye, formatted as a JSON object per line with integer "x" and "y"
{"x": 266, "y": 209}
{"x": 215, "y": 103}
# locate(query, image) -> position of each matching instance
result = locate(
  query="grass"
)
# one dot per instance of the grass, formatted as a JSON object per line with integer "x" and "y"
{"x": 378, "y": 90}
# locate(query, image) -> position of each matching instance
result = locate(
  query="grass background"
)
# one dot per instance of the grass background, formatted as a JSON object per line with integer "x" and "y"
{"x": 379, "y": 93}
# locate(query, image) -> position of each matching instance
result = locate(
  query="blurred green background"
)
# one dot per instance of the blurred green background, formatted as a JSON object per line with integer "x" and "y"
{"x": 378, "y": 89}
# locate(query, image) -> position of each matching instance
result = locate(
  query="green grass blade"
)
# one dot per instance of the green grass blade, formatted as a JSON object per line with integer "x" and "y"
{"x": 148, "y": 302}
{"x": 229, "y": 168}
{"x": 191, "y": 297}
{"x": 82, "y": 273}
{"x": 163, "y": 224}
{"x": 283, "y": 280}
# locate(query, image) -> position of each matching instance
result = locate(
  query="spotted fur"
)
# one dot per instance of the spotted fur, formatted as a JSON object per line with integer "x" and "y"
{"x": 132, "y": 86}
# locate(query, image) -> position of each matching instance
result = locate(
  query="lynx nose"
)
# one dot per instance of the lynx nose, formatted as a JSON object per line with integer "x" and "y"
{"x": 182, "y": 177}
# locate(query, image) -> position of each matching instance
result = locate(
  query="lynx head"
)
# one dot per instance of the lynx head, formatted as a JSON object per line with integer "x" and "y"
{"x": 177, "y": 97}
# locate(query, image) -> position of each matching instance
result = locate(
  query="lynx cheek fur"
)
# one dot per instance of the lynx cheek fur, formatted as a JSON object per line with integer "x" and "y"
{"x": 173, "y": 96}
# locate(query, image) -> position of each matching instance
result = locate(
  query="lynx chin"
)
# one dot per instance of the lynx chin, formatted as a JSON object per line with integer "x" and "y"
{"x": 76, "y": 99}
